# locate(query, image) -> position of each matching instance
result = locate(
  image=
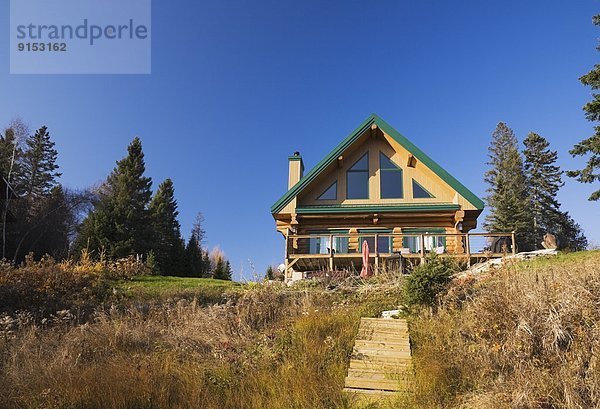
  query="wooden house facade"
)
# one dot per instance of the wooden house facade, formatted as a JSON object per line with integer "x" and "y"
{"x": 375, "y": 186}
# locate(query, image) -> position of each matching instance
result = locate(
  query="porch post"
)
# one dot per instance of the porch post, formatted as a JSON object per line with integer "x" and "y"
{"x": 287, "y": 259}
{"x": 422, "y": 239}
{"x": 376, "y": 253}
{"x": 514, "y": 243}
{"x": 468, "y": 249}
{"x": 331, "y": 253}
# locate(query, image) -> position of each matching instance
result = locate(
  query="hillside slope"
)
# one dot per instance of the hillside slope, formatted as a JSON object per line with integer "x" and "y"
{"x": 524, "y": 336}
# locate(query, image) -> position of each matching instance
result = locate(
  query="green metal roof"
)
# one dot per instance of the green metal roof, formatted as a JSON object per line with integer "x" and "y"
{"x": 394, "y": 208}
{"x": 403, "y": 141}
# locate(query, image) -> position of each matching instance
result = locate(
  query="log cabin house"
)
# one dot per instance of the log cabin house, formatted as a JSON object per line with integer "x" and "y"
{"x": 375, "y": 186}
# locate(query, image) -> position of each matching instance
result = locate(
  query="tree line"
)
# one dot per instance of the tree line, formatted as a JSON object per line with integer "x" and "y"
{"x": 120, "y": 218}
{"x": 522, "y": 191}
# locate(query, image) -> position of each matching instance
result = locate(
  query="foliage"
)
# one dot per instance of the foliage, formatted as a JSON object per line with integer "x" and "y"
{"x": 268, "y": 347}
{"x": 168, "y": 245}
{"x": 43, "y": 288}
{"x": 121, "y": 224}
{"x": 196, "y": 257}
{"x": 222, "y": 269}
{"x": 544, "y": 179}
{"x": 507, "y": 198}
{"x": 270, "y": 274}
{"x": 590, "y": 146}
{"x": 428, "y": 280}
{"x": 524, "y": 337}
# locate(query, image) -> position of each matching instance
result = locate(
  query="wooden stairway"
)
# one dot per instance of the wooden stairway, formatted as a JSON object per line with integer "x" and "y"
{"x": 380, "y": 362}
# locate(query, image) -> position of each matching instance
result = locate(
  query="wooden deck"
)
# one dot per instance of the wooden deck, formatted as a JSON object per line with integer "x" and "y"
{"x": 381, "y": 360}
{"x": 470, "y": 247}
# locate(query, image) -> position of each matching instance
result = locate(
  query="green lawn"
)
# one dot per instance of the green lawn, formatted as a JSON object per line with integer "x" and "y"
{"x": 167, "y": 285}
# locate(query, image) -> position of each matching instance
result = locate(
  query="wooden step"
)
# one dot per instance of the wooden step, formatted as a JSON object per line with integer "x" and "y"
{"x": 377, "y": 384}
{"x": 370, "y": 392}
{"x": 366, "y": 347}
{"x": 376, "y": 374}
{"x": 383, "y": 321}
{"x": 380, "y": 365}
{"x": 381, "y": 353}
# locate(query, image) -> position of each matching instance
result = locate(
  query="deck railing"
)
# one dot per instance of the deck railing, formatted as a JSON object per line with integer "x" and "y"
{"x": 409, "y": 245}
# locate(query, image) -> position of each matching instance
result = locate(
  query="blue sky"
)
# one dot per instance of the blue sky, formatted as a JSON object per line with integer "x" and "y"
{"x": 238, "y": 86}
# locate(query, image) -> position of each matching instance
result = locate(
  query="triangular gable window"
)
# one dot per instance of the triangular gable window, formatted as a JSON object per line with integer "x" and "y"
{"x": 419, "y": 192}
{"x": 330, "y": 193}
{"x": 390, "y": 178}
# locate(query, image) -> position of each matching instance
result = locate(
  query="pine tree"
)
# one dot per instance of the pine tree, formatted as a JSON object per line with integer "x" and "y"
{"x": 270, "y": 274}
{"x": 222, "y": 269}
{"x": 120, "y": 224}
{"x": 168, "y": 246}
{"x": 195, "y": 257}
{"x": 590, "y": 146}
{"x": 507, "y": 198}
{"x": 544, "y": 179}
{"x": 39, "y": 164}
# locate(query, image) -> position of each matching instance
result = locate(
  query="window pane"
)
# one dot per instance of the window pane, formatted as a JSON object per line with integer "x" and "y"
{"x": 383, "y": 244}
{"x": 391, "y": 184}
{"x": 330, "y": 193}
{"x": 362, "y": 163}
{"x": 386, "y": 163}
{"x": 419, "y": 191}
{"x": 358, "y": 185}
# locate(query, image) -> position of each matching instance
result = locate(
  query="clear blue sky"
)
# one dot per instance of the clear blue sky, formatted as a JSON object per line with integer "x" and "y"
{"x": 238, "y": 86}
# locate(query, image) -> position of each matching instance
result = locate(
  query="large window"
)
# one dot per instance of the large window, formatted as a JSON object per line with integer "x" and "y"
{"x": 390, "y": 176}
{"x": 357, "y": 179}
{"x": 321, "y": 245}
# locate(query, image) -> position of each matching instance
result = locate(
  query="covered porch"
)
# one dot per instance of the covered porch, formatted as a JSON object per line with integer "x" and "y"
{"x": 342, "y": 251}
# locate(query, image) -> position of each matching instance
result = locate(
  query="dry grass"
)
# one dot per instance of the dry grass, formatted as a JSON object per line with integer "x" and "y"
{"x": 527, "y": 336}
{"x": 266, "y": 347}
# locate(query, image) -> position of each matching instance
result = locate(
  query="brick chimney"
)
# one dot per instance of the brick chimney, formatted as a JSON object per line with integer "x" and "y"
{"x": 296, "y": 169}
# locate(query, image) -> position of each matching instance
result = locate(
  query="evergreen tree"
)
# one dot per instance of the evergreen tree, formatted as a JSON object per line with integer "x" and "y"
{"x": 168, "y": 246}
{"x": 196, "y": 265}
{"x": 39, "y": 164}
{"x": 590, "y": 146}
{"x": 194, "y": 258}
{"x": 270, "y": 274}
{"x": 228, "y": 273}
{"x": 507, "y": 198}
{"x": 543, "y": 182}
{"x": 544, "y": 179}
{"x": 222, "y": 269}
{"x": 207, "y": 266}
{"x": 120, "y": 224}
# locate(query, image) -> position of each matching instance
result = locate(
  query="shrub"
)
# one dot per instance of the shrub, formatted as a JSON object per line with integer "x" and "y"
{"x": 428, "y": 280}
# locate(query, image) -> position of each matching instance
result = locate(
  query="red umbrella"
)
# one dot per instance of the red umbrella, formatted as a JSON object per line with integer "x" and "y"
{"x": 366, "y": 270}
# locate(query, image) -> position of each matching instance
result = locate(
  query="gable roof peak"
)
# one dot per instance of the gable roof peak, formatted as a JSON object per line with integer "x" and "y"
{"x": 402, "y": 140}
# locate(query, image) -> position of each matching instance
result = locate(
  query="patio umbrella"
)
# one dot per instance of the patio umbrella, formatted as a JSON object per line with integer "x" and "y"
{"x": 366, "y": 270}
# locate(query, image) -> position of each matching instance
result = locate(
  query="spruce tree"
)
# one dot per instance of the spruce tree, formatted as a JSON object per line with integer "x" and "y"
{"x": 544, "y": 179}
{"x": 270, "y": 274}
{"x": 507, "y": 193}
{"x": 120, "y": 224}
{"x": 39, "y": 171}
{"x": 168, "y": 245}
{"x": 196, "y": 266}
{"x": 220, "y": 271}
{"x": 590, "y": 146}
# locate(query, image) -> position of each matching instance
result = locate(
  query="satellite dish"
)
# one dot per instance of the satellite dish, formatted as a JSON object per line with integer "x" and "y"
{"x": 281, "y": 268}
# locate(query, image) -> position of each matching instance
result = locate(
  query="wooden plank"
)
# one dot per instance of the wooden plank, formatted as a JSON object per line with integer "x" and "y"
{"x": 378, "y": 384}
{"x": 383, "y": 366}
